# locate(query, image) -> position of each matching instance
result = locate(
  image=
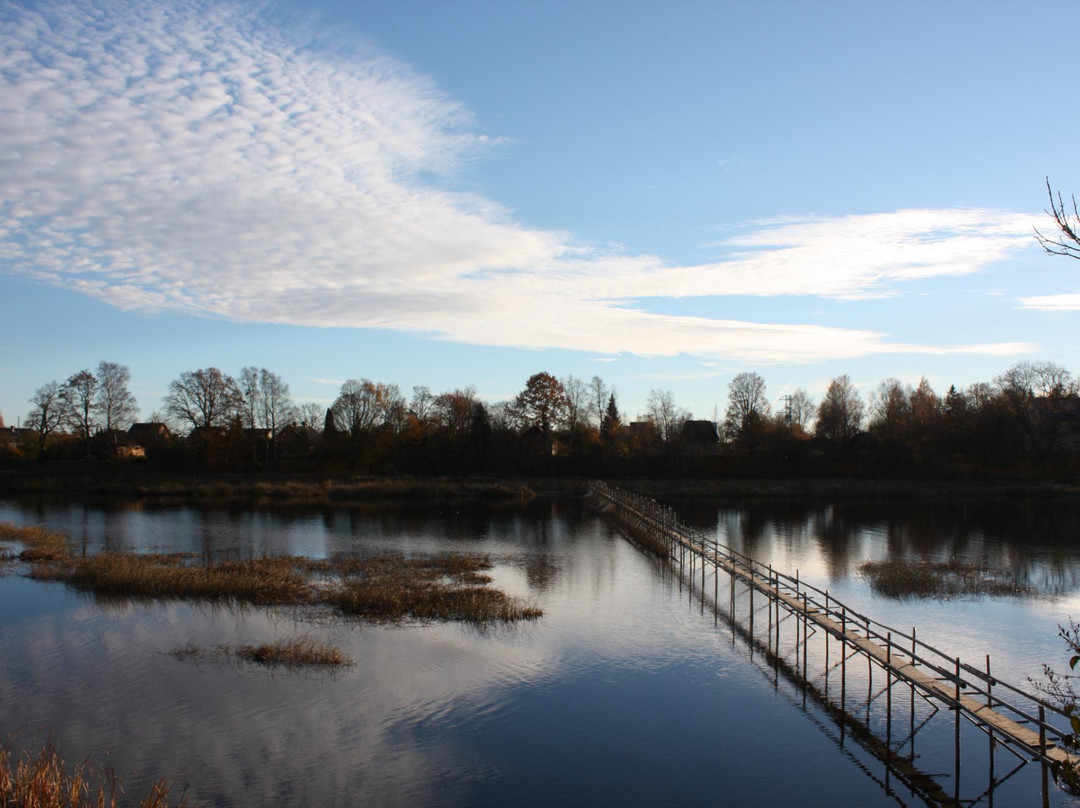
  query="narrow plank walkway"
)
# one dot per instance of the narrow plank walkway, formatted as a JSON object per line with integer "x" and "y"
{"x": 902, "y": 664}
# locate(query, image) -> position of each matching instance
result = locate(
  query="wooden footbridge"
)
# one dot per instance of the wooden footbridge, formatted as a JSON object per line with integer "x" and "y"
{"x": 1032, "y": 728}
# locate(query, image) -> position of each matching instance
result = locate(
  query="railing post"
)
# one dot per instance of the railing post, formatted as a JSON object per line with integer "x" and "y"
{"x": 1042, "y": 754}
{"x": 888, "y": 698}
{"x": 956, "y": 690}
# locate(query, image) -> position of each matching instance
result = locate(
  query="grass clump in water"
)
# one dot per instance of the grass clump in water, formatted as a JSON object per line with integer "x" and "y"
{"x": 391, "y": 587}
{"x": 39, "y": 544}
{"x": 269, "y": 581}
{"x": 40, "y": 781}
{"x": 445, "y": 587}
{"x": 937, "y": 579}
{"x": 297, "y": 653}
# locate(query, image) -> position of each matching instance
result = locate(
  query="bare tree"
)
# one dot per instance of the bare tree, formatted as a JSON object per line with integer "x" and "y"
{"x": 453, "y": 411}
{"x": 364, "y": 405}
{"x": 800, "y": 410}
{"x": 578, "y": 407}
{"x": 925, "y": 406}
{"x": 311, "y": 414}
{"x": 890, "y": 408}
{"x": 1067, "y": 239}
{"x": 48, "y": 412}
{"x": 747, "y": 405}
{"x": 598, "y": 399}
{"x": 666, "y": 415}
{"x": 421, "y": 407}
{"x": 203, "y": 398}
{"x": 266, "y": 404}
{"x": 79, "y": 395}
{"x": 277, "y": 406}
{"x": 116, "y": 404}
{"x": 841, "y": 411}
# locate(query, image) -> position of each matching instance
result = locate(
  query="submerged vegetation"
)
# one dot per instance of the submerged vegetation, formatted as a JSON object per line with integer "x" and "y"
{"x": 42, "y": 780}
{"x": 298, "y": 653}
{"x": 387, "y": 587}
{"x": 937, "y": 579}
{"x": 303, "y": 652}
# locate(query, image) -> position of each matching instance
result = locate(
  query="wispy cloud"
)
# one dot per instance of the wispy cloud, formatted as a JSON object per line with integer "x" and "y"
{"x": 194, "y": 158}
{"x": 1061, "y": 302}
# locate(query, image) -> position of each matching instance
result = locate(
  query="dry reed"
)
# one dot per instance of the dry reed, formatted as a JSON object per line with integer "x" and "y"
{"x": 937, "y": 579}
{"x": 39, "y": 544}
{"x": 40, "y": 780}
{"x": 299, "y": 653}
{"x": 391, "y": 587}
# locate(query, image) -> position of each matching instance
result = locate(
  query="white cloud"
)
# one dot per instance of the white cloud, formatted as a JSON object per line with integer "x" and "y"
{"x": 192, "y": 158}
{"x": 1062, "y": 302}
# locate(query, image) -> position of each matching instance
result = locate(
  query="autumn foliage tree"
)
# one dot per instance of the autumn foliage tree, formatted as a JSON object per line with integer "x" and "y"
{"x": 543, "y": 404}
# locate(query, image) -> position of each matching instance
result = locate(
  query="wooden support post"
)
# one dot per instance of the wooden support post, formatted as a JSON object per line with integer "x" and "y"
{"x": 869, "y": 676}
{"x": 956, "y": 784}
{"x": 843, "y": 666}
{"x": 805, "y": 642}
{"x": 1042, "y": 754}
{"x": 751, "y": 612}
{"x": 776, "y": 585}
{"x": 826, "y": 648}
{"x": 716, "y": 591}
{"x": 888, "y": 699}
{"x": 912, "y": 687}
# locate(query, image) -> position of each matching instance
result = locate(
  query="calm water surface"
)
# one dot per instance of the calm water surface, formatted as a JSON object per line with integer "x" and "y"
{"x": 629, "y": 690}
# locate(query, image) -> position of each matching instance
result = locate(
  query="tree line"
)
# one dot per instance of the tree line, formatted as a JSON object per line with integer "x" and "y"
{"x": 1025, "y": 420}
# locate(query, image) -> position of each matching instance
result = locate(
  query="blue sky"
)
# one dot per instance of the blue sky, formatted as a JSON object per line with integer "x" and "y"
{"x": 455, "y": 193}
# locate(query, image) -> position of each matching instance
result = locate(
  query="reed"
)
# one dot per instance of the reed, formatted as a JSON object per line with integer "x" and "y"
{"x": 268, "y": 581}
{"x": 937, "y": 579}
{"x": 297, "y": 653}
{"x": 38, "y": 543}
{"x": 389, "y": 587}
{"x": 41, "y": 780}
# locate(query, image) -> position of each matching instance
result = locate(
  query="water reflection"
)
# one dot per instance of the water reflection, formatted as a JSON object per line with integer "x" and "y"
{"x": 620, "y": 694}
{"x": 1035, "y": 541}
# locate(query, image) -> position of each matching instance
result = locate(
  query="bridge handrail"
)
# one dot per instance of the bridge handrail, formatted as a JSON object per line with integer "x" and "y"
{"x": 945, "y": 666}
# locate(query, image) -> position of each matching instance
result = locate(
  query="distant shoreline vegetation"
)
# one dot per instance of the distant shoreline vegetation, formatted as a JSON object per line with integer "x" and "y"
{"x": 275, "y": 489}
{"x": 1024, "y": 426}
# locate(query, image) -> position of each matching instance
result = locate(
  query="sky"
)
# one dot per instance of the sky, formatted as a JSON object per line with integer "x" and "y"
{"x": 452, "y": 193}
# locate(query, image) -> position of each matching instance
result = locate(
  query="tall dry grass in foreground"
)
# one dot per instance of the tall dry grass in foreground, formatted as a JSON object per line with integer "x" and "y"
{"x": 40, "y": 781}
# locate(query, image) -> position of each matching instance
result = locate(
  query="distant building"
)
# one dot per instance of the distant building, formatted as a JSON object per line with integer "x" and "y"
{"x": 150, "y": 435}
{"x": 700, "y": 437}
{"x": 297, "y": 440}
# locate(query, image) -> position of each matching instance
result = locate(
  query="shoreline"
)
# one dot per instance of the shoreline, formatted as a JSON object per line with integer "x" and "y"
{"x": 282, "y": 489}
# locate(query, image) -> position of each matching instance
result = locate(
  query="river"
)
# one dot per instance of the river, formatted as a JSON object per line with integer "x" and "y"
{"x": 630, "y": 690}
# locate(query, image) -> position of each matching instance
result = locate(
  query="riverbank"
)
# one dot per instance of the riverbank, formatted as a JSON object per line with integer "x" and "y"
{"x": 89, "y": 481}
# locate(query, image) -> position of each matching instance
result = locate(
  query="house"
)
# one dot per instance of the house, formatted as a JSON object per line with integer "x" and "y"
{"x": 116, "y": 444}
{"x": 700, "y": 437}
{"x": 150, "y": 435}
{"x": 297, "y": 440}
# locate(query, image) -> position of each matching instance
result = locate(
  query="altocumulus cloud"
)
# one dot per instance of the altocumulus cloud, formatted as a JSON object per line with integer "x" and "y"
{"x": 195, "y": 158}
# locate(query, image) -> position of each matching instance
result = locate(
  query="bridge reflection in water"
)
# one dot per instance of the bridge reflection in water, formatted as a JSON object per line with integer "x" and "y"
{"x": 817, "y": 644}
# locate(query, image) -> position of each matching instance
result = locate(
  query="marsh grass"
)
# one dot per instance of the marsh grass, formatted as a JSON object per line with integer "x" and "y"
{"x": 937, "y": 579}
{"x": 42, "y": 780}
{"x": 268, "y": 581}
{"x": 38, "y": 543}
{"x": 296, "y": 653}
{"x": 388, "y": 587}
